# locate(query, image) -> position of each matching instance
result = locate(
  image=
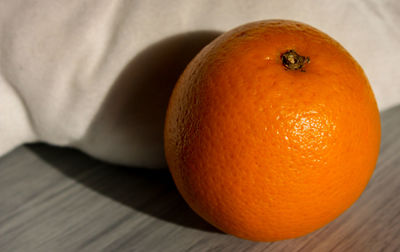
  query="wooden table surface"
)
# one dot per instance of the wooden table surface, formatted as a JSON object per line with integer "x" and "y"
{"x": 56, "y": 199}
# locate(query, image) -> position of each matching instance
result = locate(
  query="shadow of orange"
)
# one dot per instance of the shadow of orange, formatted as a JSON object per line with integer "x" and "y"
{"x": 132, "y": 115}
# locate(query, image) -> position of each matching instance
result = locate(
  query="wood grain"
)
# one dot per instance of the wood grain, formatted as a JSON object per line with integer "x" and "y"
{"x": 56, "y": 199}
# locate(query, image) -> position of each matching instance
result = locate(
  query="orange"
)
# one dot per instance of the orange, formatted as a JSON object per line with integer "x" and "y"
{"x": 272, "y": 131}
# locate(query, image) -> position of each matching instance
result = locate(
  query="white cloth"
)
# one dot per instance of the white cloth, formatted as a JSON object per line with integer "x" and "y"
{"x": 96, "y": 74}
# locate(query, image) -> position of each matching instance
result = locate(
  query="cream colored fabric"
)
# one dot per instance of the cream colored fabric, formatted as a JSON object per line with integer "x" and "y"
{"x": 96, "y": 74}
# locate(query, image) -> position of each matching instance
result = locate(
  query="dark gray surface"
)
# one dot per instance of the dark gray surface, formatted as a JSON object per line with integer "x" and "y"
{"x": 55, "y": 199}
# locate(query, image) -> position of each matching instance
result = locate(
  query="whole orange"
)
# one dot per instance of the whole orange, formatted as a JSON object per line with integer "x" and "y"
{"x": 272, "y": 131}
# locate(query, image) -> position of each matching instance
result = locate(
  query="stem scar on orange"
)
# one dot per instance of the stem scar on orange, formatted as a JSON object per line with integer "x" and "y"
{"x": 272, "y": 131}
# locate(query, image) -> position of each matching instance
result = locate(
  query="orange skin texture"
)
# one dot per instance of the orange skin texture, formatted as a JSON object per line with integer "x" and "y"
{"x": 265, "y": 153}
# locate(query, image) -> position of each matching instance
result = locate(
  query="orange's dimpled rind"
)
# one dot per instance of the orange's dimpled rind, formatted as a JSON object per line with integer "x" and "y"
{"x": 266, "y": 153}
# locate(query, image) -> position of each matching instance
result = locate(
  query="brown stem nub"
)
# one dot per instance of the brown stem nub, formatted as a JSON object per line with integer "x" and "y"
{"x": 293, "y": 61}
